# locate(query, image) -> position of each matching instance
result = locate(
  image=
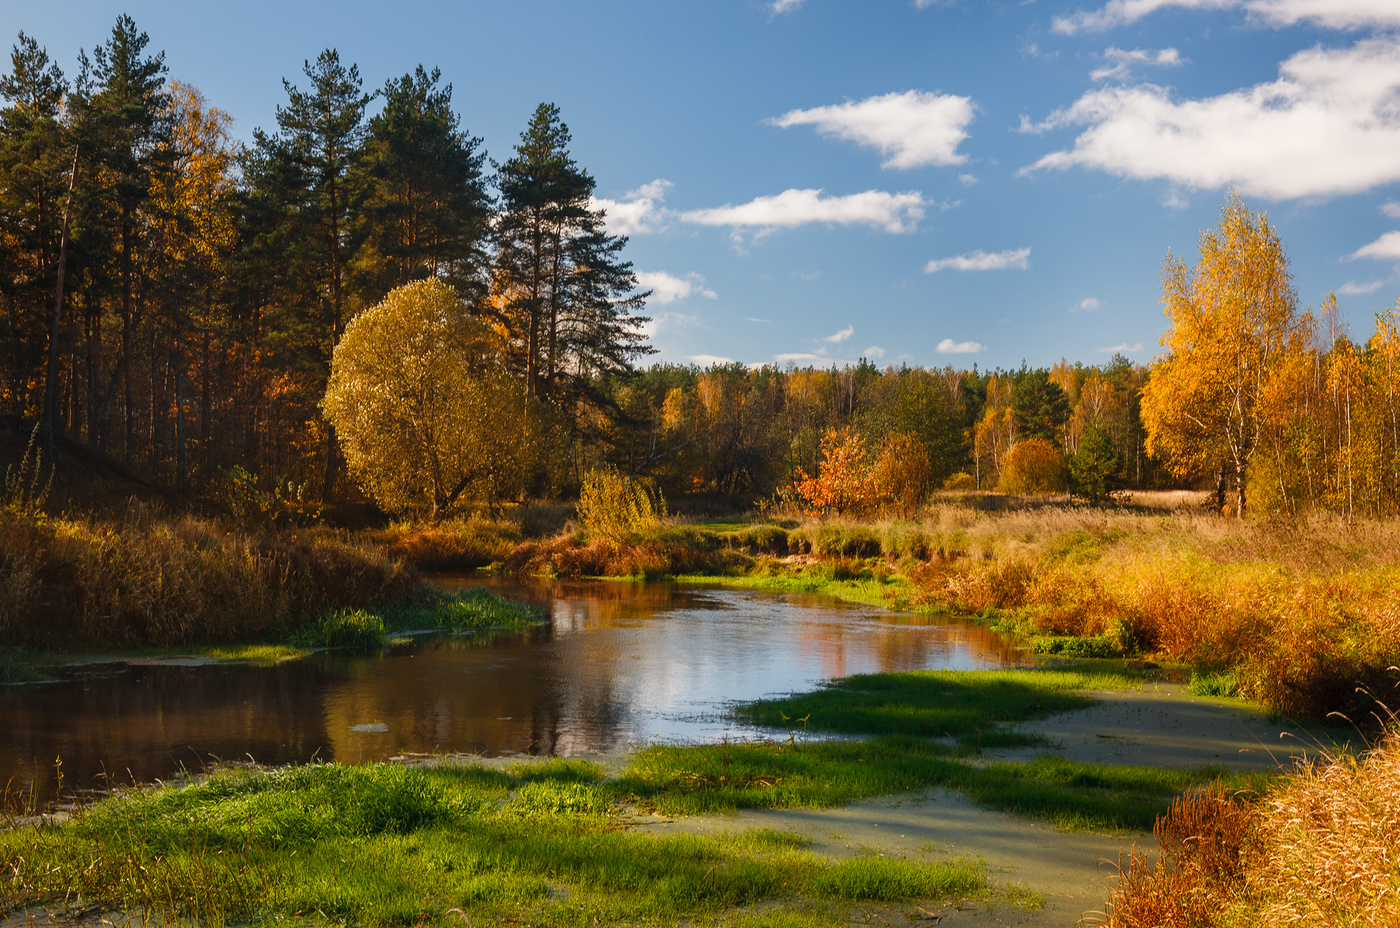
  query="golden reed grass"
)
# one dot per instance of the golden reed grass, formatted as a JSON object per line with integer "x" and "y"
{"x": 1306, "y": 612}
{"x": 1322, "y": 848}
{"x": 143, "y": 581}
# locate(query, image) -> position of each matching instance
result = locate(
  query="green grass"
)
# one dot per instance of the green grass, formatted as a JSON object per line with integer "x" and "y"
{"x": 438, "y": 611}
{"x": 970, "y": 706}
{"x": 1219, "y": 685}
{"x": 249, "y": 653}
{"x": 19, "y": 666}
{"x": 857, "y": 584}
{"x": 388, "y": 845}
{"x": 723, "y": 778}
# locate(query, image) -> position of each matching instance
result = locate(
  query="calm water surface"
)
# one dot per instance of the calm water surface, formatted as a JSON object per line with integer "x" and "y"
{"x": 618, "y": 663}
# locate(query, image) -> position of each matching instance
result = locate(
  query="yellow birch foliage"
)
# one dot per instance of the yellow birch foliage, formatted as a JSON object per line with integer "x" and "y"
{"x": 1033, "y": 466}
{"x": 901, "y": 474}
{"x": 1233, "y": 321}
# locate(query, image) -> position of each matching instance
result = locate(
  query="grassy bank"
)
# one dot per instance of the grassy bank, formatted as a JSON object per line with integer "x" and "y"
{"x": 969, "y": 707}
{"x": 73, "y": 584}
{"x": 1319, "y": 847}
{"x": 388, "y": 845}
{"x": 555, "y": 843}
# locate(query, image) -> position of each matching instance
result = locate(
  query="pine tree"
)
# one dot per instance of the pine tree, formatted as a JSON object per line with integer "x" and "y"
{"x": 1094, "y": 468}
{"x": 560, "y": 284}
{"x": 127, "y": 124}
{"x": 300, "y": 200}
{"x": 1039, "y": 407}
{"x": 35, "y": 171}
{"x": 426, "y": 210}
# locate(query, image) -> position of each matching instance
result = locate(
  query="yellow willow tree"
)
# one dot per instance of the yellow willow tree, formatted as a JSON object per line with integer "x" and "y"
{"x": 1234, "y": 322}
{"x": 424, "y": 407}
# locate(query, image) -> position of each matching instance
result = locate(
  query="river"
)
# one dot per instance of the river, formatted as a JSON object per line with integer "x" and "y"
{"x": 618, "y": 663}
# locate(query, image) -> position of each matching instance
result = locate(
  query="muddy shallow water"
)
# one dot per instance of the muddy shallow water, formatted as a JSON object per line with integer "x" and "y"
{"x": 618, "y": 663}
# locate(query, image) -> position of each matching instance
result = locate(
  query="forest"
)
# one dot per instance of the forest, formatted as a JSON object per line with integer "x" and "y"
{"x": 174, "y": 299}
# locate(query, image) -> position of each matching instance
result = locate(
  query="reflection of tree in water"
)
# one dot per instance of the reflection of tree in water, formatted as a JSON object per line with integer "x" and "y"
{"x": 150, "y": 721}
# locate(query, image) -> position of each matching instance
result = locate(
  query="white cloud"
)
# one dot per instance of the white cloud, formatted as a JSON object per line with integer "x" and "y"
{"x": 1327, "y": 126}
{"x": 1351, "y": 288}
{"x": 912, "y": 129}
{"x": 1334, "y": 14}
{"x": 1125, "y": 347}
{"x": 783, "y": 6}
{"x": 793, "y": 357}
{"x": 668, "y": 320}
{"x": 948, "y": 346}
{"x": 1123, "y": 61}
{"x": 709, "y": 360}
{"x": 1385, "y": 248}
{"x": 1088, "y": 303}
{"x": 981, "y": 261}
{"x": 892, "y": 212}
{"x": 967, "y": 180}
{"x": 840, "y": 336}
{"x": 638, "y": 211}
{"x": 1175, "y": 200}
{"x": 1122, "y": 12}
{"x": 756, "y": 319}
{"x": 667, "y": 288}
{"x": 873, "y": 353}
{"x": 1391, "y": 209}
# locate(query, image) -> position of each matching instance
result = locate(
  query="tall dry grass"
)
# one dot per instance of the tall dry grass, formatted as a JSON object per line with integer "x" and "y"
{"x": 1322, "y": 848}
{"x": 70, "y": 583}
{"x": 1305, "y": 612}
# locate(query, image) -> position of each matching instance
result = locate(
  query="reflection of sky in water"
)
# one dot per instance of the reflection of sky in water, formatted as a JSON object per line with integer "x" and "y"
{"x": 618, "y": 663}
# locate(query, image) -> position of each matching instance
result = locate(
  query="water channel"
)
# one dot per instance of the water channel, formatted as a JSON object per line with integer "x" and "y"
{"x": 618, "y": 663}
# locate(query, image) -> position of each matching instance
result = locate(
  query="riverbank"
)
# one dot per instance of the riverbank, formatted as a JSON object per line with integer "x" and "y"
{"x": 1298, "y": 615}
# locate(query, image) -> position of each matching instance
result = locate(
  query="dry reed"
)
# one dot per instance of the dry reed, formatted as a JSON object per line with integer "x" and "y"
{"x": 143, "y": 581}
{"x": 1321, "y": 849}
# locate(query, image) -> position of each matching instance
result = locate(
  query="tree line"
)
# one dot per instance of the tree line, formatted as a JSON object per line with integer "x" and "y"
{"x": 175, "y": 299}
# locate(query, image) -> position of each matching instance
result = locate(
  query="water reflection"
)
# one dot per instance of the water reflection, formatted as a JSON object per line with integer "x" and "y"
{"x": 618, "y": 662}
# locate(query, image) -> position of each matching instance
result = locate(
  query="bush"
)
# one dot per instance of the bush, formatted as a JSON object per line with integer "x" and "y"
{"x": 1033, "y": 466}
{"x": 901, "y": 475}
{"x": 612, "y": 506}
{"x": 960, "y": 481}
{"x": 842, "y": 485}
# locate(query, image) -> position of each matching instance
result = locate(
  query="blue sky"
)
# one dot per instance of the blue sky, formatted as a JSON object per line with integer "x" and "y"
{"x": 920, "y": 181}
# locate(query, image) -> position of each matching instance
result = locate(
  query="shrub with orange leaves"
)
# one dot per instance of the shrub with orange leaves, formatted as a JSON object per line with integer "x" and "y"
{"x": 842, "y": 484}
{"x": 901, "y": 475}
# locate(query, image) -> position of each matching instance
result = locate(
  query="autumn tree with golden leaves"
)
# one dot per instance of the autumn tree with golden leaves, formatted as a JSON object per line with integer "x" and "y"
{"x": 1234, "y": 326}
